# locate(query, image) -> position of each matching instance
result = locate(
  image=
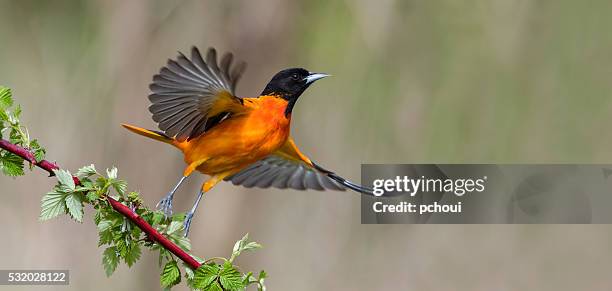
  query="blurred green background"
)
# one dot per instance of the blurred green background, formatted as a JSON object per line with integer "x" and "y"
{"x": 491, "y": 81}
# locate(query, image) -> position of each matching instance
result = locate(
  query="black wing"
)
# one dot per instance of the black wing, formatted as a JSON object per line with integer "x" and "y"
{"x": 279, "y": 172}
{"x": 185, "y": 91}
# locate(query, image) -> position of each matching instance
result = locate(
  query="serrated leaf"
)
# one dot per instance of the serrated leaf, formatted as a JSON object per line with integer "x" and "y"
{"x": 105, "y": 238}
{"x": 171, "y": 275}
{"x": 243, "y": 245}
{"x": 120, "y": 186}
{"x": 6, "y": 99}
{"x": 174, "y": 227}
{"x": 52, "y": 205}
{"x": 92, "y": 196}
{"x": 39, "y": 152}
{"x": 188, "y": 272}
{"x": 230, "y": 278}
{"x": 157, "y": 218}
{"x": 15, "y": 136}
{"x": 74, "y": 203}
{"x": 65, "y": 179}
{"x": 86, "y": 172}
{"x": 110, "y": 260}
{"x": 205, "y": 275}
{"x": 122, "y": 245}
{"x": 238, "y": 245}
{"x": 133, "y": 254}
{"x": 135, "y": 198}
{"x": 215, "y": 287}
{"x": 97, "y": 217}
{"x": 11, "y": 164}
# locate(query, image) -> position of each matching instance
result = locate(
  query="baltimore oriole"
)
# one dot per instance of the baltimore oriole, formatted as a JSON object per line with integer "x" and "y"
{"x": 243, "y": 140}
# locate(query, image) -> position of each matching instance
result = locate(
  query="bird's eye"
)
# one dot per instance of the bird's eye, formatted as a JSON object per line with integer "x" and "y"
{"x": 295, "y": 76}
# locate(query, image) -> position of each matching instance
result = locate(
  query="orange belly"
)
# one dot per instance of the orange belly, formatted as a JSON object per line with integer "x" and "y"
{"x": 240, "y": 140}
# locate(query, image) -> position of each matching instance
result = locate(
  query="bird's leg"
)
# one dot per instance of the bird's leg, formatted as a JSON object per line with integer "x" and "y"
{"x": 189, "y": 215}
{"x": 205, "y": 188}
{"x": 165, "y": 204}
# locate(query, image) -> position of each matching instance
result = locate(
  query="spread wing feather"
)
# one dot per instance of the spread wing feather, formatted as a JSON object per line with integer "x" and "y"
{"x": 289, "y": 168}
{"x": 186, "y": 90}
{"x": 279, "y": 172}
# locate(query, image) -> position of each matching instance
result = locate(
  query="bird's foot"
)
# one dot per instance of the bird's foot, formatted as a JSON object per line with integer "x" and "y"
{"x": 165, "y": 205}
{"x": 187, "y": 223}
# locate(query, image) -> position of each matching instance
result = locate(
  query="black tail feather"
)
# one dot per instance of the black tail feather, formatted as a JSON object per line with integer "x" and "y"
{"x": 351, "y": 185}
{"x": 346, "y": 183}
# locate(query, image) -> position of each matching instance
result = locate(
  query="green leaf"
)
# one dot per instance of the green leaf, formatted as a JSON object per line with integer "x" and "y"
{"x": 6, "y": 99}
{"x": 188, "y": 272}
{"x": 261, "y": 279}
{"x": 75, "y": 206}
{"x": 243, "y": 245}
{"x": 39, "y": 152}
{"x": 11, "y": 164}
{"x": 251, "y": 246}
{"x": 105, "y": 238}
{"x": 122, "y": 244}
{"x": 262, "y": 274}
{"x": 171, "y": 275}
{"x": 65, "y": 179}
{"x": 3, "y": 117}
{"x": 157, "y": 218}
{"x": 86, "y": 172}
{"x": 230, "y": 278}
{"x": 248, "y": 278}
{"x": 17, "y": 112}
{"x": 52, "y": 205}
{"x": 205, "y": 275}
{"x": 15, "y": 136}
{"x": 92, "y": 196}
{"x": 135, "y": 197}
{"x": 133, "y": 254}
{"x": 215, "y": 287}
{"x": 180, "y": 217}
{"x": 120, "y": 186}
{"x": 164, "y": 254}
{"x": 104, "y": 225}
{"x": 110, "y": 260}
{"x": 174, "y": 227}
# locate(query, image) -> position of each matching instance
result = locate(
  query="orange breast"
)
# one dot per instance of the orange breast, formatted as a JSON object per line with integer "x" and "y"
{"x": 241, "y": 140}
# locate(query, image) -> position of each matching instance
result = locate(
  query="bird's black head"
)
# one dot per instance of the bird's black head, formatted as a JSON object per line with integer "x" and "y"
{"x": 289, "y": 84}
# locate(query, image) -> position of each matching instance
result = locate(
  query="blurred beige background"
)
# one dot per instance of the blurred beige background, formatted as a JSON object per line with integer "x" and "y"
{"x": 414, "y": 81}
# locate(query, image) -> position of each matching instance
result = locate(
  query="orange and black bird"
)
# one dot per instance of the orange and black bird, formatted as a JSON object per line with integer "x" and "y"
{"x": 243, "y": 140}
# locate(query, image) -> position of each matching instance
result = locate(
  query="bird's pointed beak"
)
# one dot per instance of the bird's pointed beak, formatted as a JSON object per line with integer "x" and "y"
{"x": 315, "y": 76}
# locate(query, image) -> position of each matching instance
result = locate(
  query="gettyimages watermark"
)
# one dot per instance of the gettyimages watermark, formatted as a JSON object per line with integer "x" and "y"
{"x": 412, "y": 186}
{"x": 483, "y": 193}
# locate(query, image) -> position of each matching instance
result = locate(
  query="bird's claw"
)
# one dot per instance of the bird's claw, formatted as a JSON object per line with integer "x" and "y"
{"x": 187, "y": 223}
{"x": 165, "y": 205}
